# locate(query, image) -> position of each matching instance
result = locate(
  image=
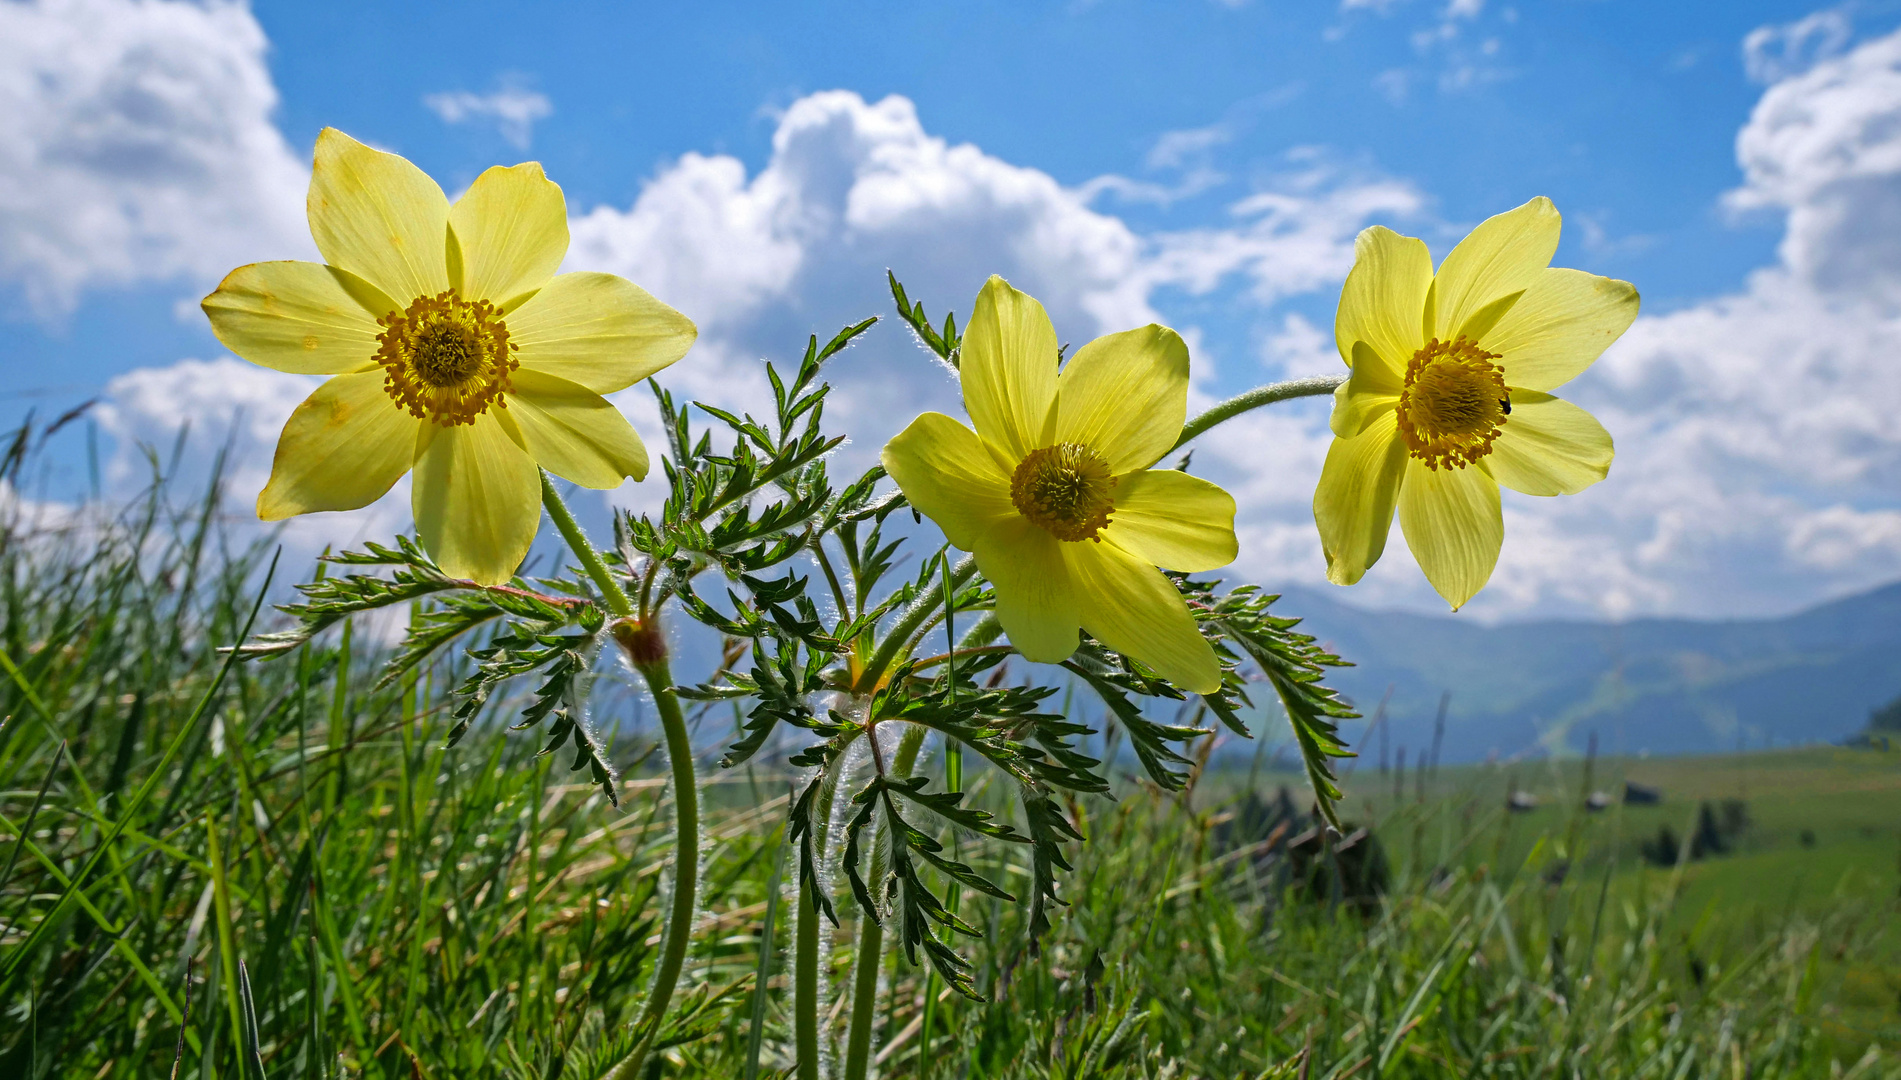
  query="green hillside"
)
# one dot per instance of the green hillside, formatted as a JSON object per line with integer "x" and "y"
{"x": 1659, "y": 686}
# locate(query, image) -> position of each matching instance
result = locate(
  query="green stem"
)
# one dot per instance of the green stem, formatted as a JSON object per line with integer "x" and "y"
{"x": 611, "y": 591}
{"x": 908, "y": 623}
{"x": 686, "y": 794}
{"x": 864, "y": 1005}
{"x": 805, "y": 964}
{"x": 1257, "y": 397}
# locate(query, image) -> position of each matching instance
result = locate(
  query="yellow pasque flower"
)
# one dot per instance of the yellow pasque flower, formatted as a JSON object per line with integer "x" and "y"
{"x": 455, "y": 349}
{"x": 1053, "y": 492}
{"x": 1449, "y": 394}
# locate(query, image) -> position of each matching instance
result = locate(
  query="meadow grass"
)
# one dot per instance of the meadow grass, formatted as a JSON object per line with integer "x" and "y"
{"x": 286, "y": 852}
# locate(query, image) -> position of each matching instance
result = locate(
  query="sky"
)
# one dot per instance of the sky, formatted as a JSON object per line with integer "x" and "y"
{"x": 1201, "y": 164}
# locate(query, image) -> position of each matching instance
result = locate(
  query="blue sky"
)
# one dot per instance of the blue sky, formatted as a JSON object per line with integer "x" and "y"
{"x": 1202, "y": 163}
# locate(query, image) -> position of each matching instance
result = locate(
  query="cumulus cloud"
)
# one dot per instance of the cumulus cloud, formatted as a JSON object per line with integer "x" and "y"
{"x": 1774, "y": 53}
{"x": 1758, "y": 464}
{"x": 853, "y": 187}
{"x": 136, "y": 145}
{"x": 513, "y": 110}
{"x": 234, "y": 411}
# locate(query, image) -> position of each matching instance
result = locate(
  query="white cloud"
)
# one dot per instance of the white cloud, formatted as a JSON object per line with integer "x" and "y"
{"x": 235, "y": 411}
{"x": 1759, "y": 466}
{"x": 854, "y": 187}
{"x": 136, "y": 145}
{"x": 1774, "y": 53}
{"x": 513, "y": 109}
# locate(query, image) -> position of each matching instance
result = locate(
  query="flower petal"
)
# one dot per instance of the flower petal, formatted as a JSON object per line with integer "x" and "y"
{"x": 1353, "y": 503}
{"x": 1036, "y": 600}
{"x": 601, "y": 331}
{"x": 1371, "y": 391}
{"x": 1172, "y": 519}
{"x": 379, "y": 217}
{"x": 1384, "y": 297}
{"x": 1454, "y": 527}
{"x": 1008, "y": 367}
{"x": 573, "y": 432}
{"x": 511, "y": 228}
{"x": 1125, "y": 396}
{"x": 1504, "y": 255}
{"x": 477, "y": 501}
{"x": 944, "y": 470}
{"x": 1129, "y": 606}
{"x": 297, "y": 316}
{"x": 1563, "y": 323}
{"x": 1549, "y": 446}
{"x": 342, "y": 448}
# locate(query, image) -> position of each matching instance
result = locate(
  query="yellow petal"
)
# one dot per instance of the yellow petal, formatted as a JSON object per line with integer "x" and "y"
{"x": 601, "y": 331}
{"x": 1549, "y": 447}
{"x": 1129, "y": 606}
{"x": 1353, "y": 503}
{"x": 573, "y": 432}
{"x": 944, "y": 471}
{"x": 379, "y": 217}
{"x": 512, "y": 230}
{"x": 1036, "y": 601}
{"x": 1008, "y": 367}
{"x": 1565, "y": 320}
{"x": 1371, "y": 391}
{"x": 1504, "y": 255}
{"x": 1454, "y": 527}
{"x": 297, "y": 317}
{"x": 1125, "y": 396}
{"x": 342, "y": 448}
{"x": 1383, "y": 298}
{"x": 1172, "y": 519}
{"x": 477, "y": 501}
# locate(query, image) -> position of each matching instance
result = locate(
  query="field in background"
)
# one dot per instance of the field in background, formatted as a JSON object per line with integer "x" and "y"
{"x": 287, "y": 851}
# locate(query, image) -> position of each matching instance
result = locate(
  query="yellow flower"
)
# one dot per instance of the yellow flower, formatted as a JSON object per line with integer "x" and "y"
{"x": 1449, "y": 394}
{"x": 1054, "y": 495}
{"x": 455, "y": 348}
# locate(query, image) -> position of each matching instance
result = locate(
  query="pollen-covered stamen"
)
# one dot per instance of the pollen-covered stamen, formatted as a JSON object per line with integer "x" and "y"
{"x": 1066, "y": 489}
{"x": 446, "y": 359}
{"x": 1454, "y": 403}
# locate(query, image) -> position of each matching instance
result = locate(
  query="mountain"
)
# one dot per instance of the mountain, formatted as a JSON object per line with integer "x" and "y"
{"x": 1646, "y": 685}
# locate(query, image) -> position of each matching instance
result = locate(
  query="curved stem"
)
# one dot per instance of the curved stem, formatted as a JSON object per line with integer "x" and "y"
{"x": 864, "y": 1005}
{"x": 1257, "y": 397}
{"x": 611, "y": 591}
{"x": 805, "y": 962}
{"x": 986, "y": 630}
{"x": 933, "y": 661}
{"x": 908, "y": 624}
{"x": 686, "y": 795}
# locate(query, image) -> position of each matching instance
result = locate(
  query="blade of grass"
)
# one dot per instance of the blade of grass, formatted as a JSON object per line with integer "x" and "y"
{"x": 16, "y": 960}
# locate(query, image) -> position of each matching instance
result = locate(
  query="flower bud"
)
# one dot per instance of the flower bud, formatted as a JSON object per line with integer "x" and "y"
{"x": 643, "y": 641}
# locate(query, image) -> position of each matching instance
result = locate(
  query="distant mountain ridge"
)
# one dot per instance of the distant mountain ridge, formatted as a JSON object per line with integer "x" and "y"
{"x": 1646, "y": 685}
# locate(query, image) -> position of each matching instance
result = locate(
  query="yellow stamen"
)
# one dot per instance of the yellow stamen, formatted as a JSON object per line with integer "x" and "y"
{"x": 1066, "y": 489}
{"x": 1454, "y": 403}
{"x": 446, "y": 359}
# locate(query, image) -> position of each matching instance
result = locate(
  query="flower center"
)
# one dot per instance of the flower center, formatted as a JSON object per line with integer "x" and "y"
{"x": 1454, "y": 403}
{"x": 1065, "y": 488}
{"x": 446, "y": 359}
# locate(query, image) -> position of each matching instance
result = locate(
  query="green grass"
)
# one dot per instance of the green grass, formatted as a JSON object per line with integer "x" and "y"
{"x": 401, "y": 910}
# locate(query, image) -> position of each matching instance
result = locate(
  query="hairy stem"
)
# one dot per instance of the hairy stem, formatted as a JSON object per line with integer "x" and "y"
{"x": 805, "y": 962}
{"x": 1257, "y": 397}
{"x": 864, "y": 1004}
{"x": 611, "y": 591}
{"x": 908, "y": 624}
{"x": 686, "y": 794}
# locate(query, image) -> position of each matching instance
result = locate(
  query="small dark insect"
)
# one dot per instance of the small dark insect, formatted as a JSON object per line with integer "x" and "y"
{"x": 1506, "y": 405}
